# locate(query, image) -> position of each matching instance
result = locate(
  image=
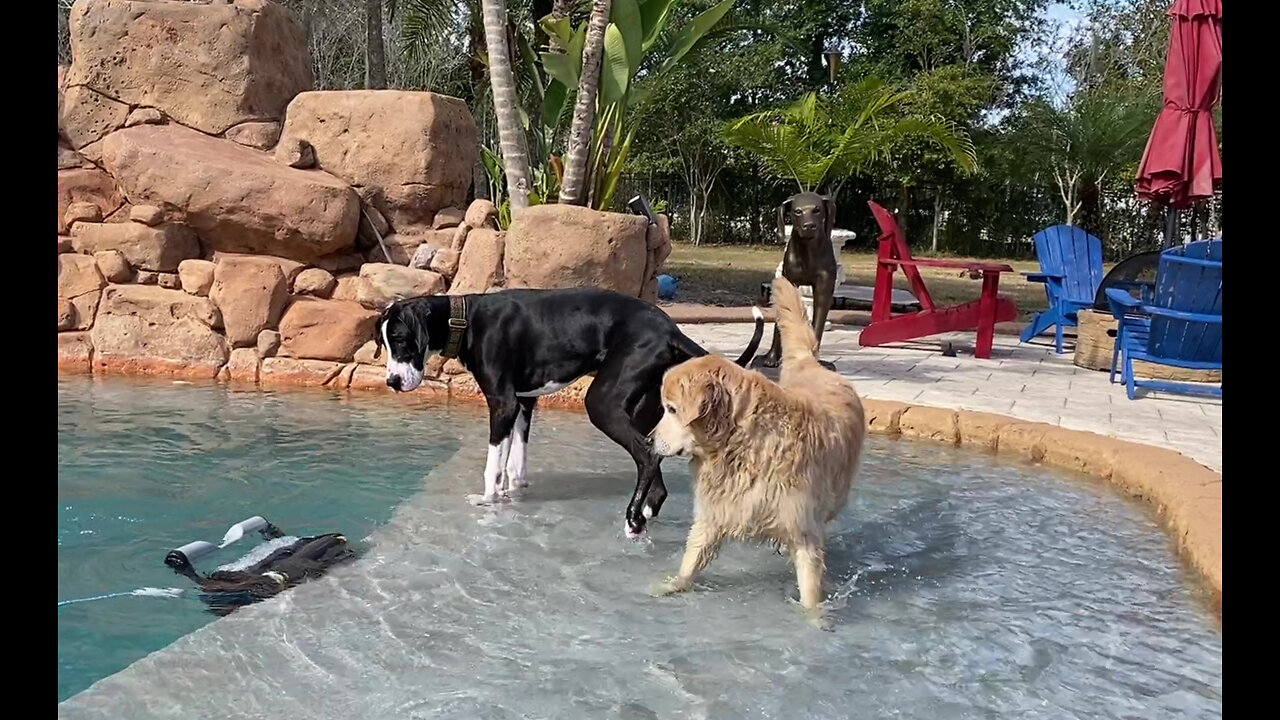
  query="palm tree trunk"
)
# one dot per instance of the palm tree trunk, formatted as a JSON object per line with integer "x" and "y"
{"x": 572, "y": 192}
{"x": 477, "y": 74}
{"x": 558, "y": 9}
{"x": 596, "y": 171}
{"x": 506, "y": 106}
{"x": 1090, "y": 201}
{"x": 375, "y": 55}
{"x": 755, "y": 214}
{"x": 904, "y": 207}
{"x": 937, "y": 217}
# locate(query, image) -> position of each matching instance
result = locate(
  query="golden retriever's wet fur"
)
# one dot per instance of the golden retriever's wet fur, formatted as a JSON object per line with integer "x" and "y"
{"x": 770, "y": 462}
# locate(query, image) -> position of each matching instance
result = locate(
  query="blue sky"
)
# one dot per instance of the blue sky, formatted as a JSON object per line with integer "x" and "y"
{"x": 1063, "y": 19}
{"x": 1051, "y": 46}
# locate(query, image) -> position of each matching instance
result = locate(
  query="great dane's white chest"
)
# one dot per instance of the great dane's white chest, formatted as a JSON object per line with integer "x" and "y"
{"x": 546, "y": 389}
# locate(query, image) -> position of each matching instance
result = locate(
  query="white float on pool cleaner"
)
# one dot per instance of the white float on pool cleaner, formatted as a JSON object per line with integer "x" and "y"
{"x": 183, "y": 557}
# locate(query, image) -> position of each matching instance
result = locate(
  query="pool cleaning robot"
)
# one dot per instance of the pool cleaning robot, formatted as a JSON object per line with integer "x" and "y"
{"x": 270, "y": 568}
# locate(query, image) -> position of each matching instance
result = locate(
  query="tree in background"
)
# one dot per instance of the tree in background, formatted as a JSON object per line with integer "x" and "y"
{"x": 375, "y": 53}
{"x": 572, "y": 190}
{"x": 506, "y": 105}
{"x": 970, "y": 61}
{"x": 820, "y": 143}
{"x": 1099, "y": 135}
{"x": 636, "y": 49}
{"x": 1085, "y": 142}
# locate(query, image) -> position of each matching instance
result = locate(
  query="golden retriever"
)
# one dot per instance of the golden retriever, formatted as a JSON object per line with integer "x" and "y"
{"x": 770, "y": 461}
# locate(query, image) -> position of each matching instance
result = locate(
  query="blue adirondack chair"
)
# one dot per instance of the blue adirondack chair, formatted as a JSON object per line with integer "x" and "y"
{"x": 1071, "y": 270}
{"x": 1181, "y": 326}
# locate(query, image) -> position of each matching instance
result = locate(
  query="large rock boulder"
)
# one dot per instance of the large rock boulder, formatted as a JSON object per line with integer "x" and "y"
{"x": 325, "y": 329}
{"x": 415, "y": 150}
{"x": 75, "y": 352}
{"x": 448, "y": 217}
{"x": 146, "y": 214}
{"x": 68, "y": 159}
{"x": 158, "y": 249}
{"x": 403, "y": 246}
{"x": 62, "y": 86}
{"x": 86, "y": 185}
{"x": 209, "y": 66}
{"x": 445, "y": 261}
{"x": 87, "y": 116}
{"x": 113, "y": 266}
{"x": 196, "y": 276}
{"x": 145, "y": 116}
{"x": 257, "y": 135}
{"x": 557, "y": 246}
{"x": 82, "y": 212}
{"x": 482, "y": 213}
{"x": 268, "y": 343}
{"x": 480, "y": 267}
{"x": 340, "y": 262}
{"x": 291, "y": 372}
{"x": 237, "y": 199}
{"x": 147, "y": 329}
{"x": 316, "y": 282}
{"x": 382, "y": 284}
{"x": 348, "y": 287}
{"x": 290, "y": 268}
{"x": 79, "y": 287}
{"x": 251, "y": 293}
{"x": 242, "y": 367}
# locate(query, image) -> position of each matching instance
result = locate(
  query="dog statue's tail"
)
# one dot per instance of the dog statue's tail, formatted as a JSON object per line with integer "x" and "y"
{"x": 798, "y": 340}
{"x": 752, "y": 346}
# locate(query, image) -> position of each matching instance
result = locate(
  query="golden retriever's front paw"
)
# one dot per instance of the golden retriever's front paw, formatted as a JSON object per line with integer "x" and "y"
{"x": 819, "y": 619}
{"x": 670, "y": 586}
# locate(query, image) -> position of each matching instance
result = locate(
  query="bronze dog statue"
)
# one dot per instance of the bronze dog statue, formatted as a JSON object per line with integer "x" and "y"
{"x": 809, "y": 258}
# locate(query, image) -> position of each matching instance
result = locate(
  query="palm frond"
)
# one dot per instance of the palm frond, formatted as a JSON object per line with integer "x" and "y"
{"x": 424, "y": 22}
{"x": 817, "y": 142}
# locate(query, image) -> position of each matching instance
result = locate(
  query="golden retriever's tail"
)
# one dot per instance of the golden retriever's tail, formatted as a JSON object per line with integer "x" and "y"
{"x": 798, "y": 340}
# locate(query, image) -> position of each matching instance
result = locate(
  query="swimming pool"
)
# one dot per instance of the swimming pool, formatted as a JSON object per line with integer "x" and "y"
{"x": 961, "y": 586}
{"x": 146, "y": 466}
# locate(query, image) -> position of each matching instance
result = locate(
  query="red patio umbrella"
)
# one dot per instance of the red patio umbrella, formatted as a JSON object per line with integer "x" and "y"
{"x": 1181, "y": 163}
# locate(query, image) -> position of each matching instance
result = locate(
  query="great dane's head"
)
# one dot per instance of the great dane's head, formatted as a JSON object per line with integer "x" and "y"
{"x": 403, "y": 334}
{"x": 810, "y": 215}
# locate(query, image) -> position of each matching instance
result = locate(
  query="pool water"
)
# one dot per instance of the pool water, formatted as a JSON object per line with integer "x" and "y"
{"x": 145, "y": 467}
{"x": 961, "y": 585}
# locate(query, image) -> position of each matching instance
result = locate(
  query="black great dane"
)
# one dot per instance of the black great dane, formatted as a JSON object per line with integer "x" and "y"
{"x": 522, "y": 344}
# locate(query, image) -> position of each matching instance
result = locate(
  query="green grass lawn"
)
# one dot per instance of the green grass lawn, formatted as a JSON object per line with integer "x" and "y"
{"x": 730, "y": 275}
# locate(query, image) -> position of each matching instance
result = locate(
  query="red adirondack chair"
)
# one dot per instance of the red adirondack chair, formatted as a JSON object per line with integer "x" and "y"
{"x": 981, "y": 314}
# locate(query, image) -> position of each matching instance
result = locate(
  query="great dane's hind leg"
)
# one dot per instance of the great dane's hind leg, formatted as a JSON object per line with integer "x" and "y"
{"x": 516, "y": 465}
{"x": 645, "y": 416}
{"x": 616, "y": 392}
{"x": 503, "y": 410}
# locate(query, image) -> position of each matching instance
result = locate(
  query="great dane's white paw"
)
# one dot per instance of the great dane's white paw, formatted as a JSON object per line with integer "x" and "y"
{"x": 483, "y": 500}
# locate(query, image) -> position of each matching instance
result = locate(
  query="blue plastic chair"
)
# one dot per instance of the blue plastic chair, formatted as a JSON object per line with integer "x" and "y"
{"x": 1181, "y": 326}
{"x": 1071, "y": 270}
